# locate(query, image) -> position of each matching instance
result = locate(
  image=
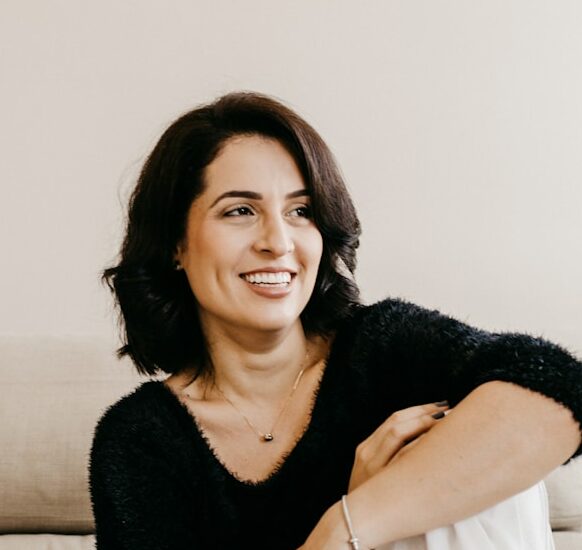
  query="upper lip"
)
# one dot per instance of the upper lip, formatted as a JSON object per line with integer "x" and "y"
{"x": 271, "y": 270}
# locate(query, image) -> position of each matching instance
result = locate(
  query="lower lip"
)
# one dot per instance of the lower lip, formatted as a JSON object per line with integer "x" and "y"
{"x": 269, "y": 292}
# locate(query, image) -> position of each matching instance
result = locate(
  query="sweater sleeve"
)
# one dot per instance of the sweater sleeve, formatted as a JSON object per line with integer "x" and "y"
{"x": 423, "y": 355}
{"x": 139, "y": 502}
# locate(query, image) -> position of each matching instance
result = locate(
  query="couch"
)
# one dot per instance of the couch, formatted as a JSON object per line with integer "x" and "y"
{"x": 53, "y": 390}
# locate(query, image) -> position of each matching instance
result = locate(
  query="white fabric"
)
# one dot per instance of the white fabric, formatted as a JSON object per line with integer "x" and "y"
{"x": 518, "y": 523}
{"x": 565, "y": 496}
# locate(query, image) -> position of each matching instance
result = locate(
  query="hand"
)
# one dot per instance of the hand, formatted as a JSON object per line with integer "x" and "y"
{"x": 391, "y": 438}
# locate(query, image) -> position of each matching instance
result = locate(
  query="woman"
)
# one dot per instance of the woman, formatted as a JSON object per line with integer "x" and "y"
{"x": 285, "y": 393}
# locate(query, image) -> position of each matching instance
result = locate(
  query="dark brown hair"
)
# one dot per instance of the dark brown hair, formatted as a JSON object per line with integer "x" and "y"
{"x": 158, "y": 311}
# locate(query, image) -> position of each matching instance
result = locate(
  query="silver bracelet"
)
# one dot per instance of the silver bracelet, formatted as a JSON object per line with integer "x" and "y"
{"x": 354, "y": 541}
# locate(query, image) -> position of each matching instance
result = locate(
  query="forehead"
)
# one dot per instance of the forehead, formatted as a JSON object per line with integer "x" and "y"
{"x": 251, "y": 162}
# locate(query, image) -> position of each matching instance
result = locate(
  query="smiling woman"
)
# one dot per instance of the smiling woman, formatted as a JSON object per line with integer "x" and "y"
{"x": 293, "y": 415}
{"x": 216, "y": 144}
{"x": 253, "y": 228}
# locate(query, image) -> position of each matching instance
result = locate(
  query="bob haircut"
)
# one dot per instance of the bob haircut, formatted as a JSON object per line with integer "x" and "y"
{"x": 158, "y": 312}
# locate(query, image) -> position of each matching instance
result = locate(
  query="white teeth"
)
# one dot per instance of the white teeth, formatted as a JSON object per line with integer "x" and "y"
{"x": 283, "y": 277}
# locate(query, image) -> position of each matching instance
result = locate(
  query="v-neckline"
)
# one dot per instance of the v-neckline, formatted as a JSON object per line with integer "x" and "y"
{"x": 283, "y": 461}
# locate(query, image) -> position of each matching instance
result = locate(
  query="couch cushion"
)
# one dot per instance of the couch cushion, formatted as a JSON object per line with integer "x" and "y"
{"x": 47, "y": 542}
{"x": 53, "y": 392}
{"x": 565, "y": 496}
{"x": 564, "y": 540}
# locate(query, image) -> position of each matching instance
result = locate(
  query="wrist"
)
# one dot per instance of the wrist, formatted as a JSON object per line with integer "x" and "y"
{"x": 336, "y": 527}
{"x": 353, "y": 539}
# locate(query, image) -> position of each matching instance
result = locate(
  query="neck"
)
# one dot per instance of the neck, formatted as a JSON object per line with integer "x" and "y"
{"x": 261, "y": 368}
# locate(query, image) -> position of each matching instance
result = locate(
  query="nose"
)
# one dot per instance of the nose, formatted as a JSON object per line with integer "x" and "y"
{"x": 274, "y": 237}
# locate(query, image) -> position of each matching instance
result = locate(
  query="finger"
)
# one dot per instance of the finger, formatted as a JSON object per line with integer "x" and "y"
{"x": 400, "y": 435}
{"x": 407, "y": 414}
{"x": 404, "y": 432}
{"x": 387, "y": 429}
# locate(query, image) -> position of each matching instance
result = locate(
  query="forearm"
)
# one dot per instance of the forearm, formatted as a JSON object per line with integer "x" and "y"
{"x": 498, "y": 441}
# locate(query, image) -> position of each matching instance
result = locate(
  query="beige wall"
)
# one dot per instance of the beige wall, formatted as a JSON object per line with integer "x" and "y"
{"x": 458, "y": 124}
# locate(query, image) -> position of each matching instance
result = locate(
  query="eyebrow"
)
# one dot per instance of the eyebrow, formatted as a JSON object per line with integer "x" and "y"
{"x": 258, "y": 196}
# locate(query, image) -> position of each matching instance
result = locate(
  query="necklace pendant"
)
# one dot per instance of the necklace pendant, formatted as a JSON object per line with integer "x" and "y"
{"x": 268, "y": 437}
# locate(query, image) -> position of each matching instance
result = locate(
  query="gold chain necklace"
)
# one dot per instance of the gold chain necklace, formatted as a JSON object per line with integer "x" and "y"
{"x": 268, "y": 436}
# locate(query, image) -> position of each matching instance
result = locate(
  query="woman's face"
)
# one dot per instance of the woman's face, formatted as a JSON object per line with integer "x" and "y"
{"x": 251, "y": 251}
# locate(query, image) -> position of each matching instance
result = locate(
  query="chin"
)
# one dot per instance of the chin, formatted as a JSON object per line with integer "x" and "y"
{"x": 272, "y": 325}
{"x": 271, "y": 321}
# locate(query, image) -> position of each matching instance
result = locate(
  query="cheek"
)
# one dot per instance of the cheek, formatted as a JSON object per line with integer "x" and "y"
{"x": 214, "y": 255}
{"x": 317, "y": 244}
{"x": 198, "y": 260}
{"x": 204, "y": 245}
{"x": 313, "y": 249}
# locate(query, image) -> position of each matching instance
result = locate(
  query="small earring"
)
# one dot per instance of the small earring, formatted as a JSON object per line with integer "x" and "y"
{"x": 178, "y": 266}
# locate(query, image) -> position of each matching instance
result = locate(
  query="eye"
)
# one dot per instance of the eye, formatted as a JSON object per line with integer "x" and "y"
{"x": 303, "y": 211}
{"x": 239, "y": 211}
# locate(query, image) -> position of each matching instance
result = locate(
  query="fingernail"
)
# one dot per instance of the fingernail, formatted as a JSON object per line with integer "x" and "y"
{"x": 438, "y": 415}
{"x": 442, "y": 404}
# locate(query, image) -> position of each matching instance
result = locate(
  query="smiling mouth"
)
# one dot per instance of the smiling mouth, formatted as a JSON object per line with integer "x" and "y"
{"x": 268, "y": 280}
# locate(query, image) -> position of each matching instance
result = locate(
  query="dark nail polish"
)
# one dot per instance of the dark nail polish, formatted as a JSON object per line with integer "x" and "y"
{"x": 438, "y": 415}
{"x": 442, "y": 404}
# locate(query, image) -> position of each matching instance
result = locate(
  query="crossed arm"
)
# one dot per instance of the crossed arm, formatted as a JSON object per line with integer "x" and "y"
{"x": 498, "y": 441}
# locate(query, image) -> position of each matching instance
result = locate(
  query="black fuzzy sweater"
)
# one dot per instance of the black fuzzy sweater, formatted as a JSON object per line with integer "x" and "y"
{"x": 156, "y": 484}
